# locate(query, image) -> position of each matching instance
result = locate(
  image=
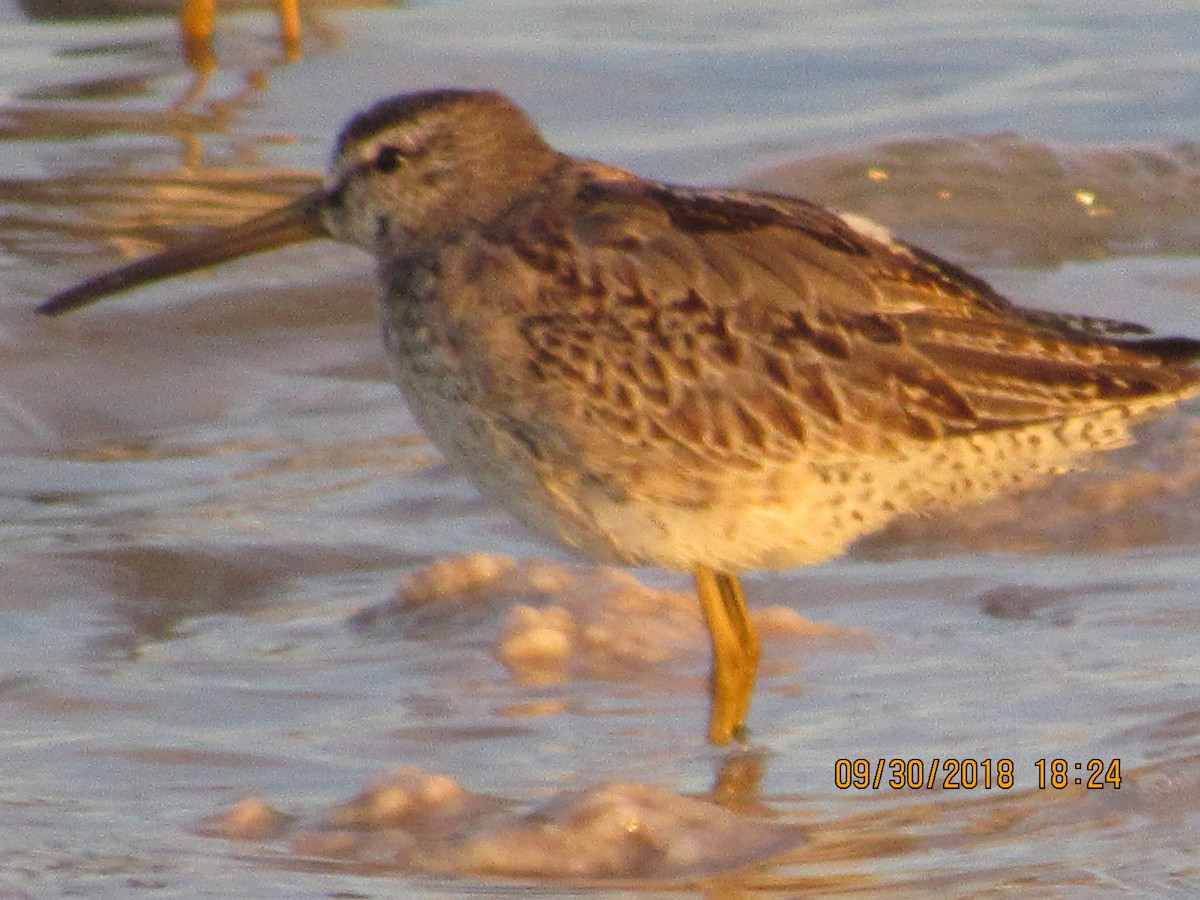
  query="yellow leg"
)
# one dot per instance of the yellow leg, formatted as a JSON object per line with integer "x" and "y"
{"x": 196, "y": 19}
{"x": 196, "y": 30}
{"x": 196, "y": 23}
{"x": 735, "y": 653}
{"x": 289, "y": 28}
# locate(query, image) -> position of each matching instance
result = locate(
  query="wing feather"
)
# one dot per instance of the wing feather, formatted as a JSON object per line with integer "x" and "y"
{"x": 747, "y": 327}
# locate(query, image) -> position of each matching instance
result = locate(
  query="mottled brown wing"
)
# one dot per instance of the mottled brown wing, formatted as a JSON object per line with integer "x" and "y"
{"x": 746, "y": 325}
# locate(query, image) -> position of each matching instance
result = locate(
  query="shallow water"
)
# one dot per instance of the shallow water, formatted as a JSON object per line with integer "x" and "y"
{"x": 218, "y": 518}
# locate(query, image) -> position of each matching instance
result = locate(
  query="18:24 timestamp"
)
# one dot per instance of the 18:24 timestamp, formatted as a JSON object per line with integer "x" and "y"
{"x": 1095, "y": 774}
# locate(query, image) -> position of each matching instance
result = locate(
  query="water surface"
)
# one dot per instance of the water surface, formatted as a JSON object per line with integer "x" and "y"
{"x": 218, "y": 519}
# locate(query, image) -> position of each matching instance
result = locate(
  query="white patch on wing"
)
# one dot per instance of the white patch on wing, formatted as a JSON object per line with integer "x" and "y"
{"x": 871, "y": 229}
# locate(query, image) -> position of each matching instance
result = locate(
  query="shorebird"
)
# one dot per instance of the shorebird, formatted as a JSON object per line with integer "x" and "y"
{"x": 698, "y": 379}
{"x": 197, "y": 18}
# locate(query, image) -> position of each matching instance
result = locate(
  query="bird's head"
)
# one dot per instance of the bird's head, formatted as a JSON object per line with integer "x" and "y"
{"x": 414, "y": 169}
{"x": 405, "y": 174}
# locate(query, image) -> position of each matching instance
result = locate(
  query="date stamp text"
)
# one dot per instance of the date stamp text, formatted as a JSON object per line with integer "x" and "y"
{"x": 970, "y": 774}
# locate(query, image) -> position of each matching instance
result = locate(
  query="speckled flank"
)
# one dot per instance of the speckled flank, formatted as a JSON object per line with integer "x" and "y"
{"x": 692, "y": 377}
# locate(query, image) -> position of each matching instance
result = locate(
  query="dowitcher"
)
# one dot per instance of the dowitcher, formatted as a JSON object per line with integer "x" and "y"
{"x": 705, "y": 380}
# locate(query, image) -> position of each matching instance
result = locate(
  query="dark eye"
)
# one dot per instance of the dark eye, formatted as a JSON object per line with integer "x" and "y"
{"x": 389, "y": 159}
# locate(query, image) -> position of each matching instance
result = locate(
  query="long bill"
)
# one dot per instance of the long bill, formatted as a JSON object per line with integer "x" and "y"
{"x": 298, "y": 221}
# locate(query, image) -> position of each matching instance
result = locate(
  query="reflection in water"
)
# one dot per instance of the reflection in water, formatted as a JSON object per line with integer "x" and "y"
{"x": 142, "y": 194}
{"x": 197, "y": 20}
{"x": 131, "y": 214}
{"x": 155, "y": 590}
{"x": 739, "y": 779}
